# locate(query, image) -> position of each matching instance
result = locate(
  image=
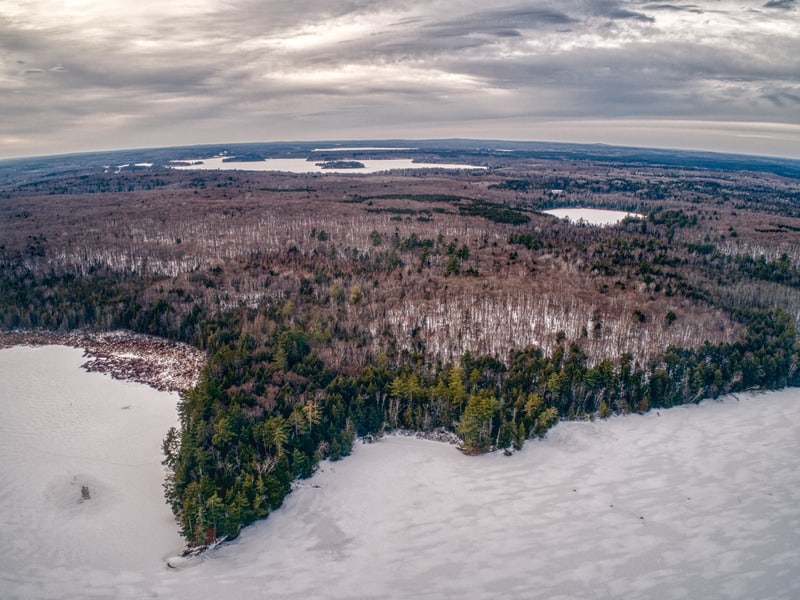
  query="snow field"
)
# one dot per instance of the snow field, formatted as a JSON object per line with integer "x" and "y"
{"x": 692, "y": 502}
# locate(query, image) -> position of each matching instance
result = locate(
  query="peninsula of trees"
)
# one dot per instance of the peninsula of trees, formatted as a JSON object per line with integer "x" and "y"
{"x": 333, "y": 306}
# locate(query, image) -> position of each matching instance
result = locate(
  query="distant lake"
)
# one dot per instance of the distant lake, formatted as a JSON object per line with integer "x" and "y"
{"x": 591, "y": 216}
{"x": 361, "y": 149}
{"x": 301, "y": 165}
{"x": 691, "y": 502}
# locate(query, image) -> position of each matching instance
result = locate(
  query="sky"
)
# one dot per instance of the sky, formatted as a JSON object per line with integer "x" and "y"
{"x": 80, "y": 75}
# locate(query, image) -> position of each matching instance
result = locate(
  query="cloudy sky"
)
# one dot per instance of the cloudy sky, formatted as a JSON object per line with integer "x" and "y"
{"x": 81, "y": 75}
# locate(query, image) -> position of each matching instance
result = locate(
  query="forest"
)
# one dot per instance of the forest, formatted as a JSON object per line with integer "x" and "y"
{"x": 339, "y": 307}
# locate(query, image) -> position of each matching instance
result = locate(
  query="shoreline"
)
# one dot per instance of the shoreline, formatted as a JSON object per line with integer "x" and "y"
{"x": 439, "y": 435}
{"x": 164, "y": 365}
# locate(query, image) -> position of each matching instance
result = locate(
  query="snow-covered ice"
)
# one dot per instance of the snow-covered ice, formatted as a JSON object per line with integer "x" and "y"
{"x": 591, "y": 216}
{"x": 692, "y": 502}
{"x": 361, "y": 149}
{"x": 61, "y": 429}
{"x": 301, "y": 165}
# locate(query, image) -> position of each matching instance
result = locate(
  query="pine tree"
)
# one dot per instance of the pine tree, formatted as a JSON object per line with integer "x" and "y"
{"x": 475, "y": 427}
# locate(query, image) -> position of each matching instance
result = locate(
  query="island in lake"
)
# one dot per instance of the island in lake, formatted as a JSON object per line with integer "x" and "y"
{"x": 341, "y": 164}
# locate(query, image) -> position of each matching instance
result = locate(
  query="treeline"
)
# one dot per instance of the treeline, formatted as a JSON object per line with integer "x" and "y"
{"x": 103, "y": 301}
{"x": 266, "y": 412}
{"x": 64, "y": 301}
{"x": 779, "y": 270}
{"x": 270, "y": 406}
{"x": 494, "y": 212}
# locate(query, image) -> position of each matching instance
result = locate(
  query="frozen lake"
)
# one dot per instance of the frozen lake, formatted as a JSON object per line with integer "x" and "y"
{"x": 692, "y": 502}
{"x": 301, "y": 165}
{"x": 62, "y": 428}
{"x": 591, "y": 216}
{"x": 362, "y": 149}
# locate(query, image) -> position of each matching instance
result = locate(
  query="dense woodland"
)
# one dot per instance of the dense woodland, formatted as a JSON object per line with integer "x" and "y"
{"x": 333, "y": 307}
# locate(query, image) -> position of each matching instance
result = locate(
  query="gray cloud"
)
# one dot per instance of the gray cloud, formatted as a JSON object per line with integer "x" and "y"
{"x": 254, "y": 70}
{"x": 692, "y": 8}
{"x": 502, "y": 19}
{"x": 616, "y": 10}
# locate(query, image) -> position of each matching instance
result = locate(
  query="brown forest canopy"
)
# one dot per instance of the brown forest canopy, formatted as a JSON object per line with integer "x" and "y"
{"x": 339, "y": 305}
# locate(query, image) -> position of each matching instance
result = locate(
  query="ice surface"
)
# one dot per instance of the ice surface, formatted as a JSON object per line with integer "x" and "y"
{"x": 692, "y": 502}
{"x": 361, "y": 149}
{"x": 62, "y": 429}
{"x": 301, "y": 165}
{"x": 591, "y": 216}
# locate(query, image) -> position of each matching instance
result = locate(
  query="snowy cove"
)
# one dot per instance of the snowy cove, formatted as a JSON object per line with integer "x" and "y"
{"x": 691, "y": 502}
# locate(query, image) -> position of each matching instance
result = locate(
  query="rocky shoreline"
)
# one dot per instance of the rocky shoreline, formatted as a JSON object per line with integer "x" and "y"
{"x": 162, "y": 364}
{"x": 436, "y": 435}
